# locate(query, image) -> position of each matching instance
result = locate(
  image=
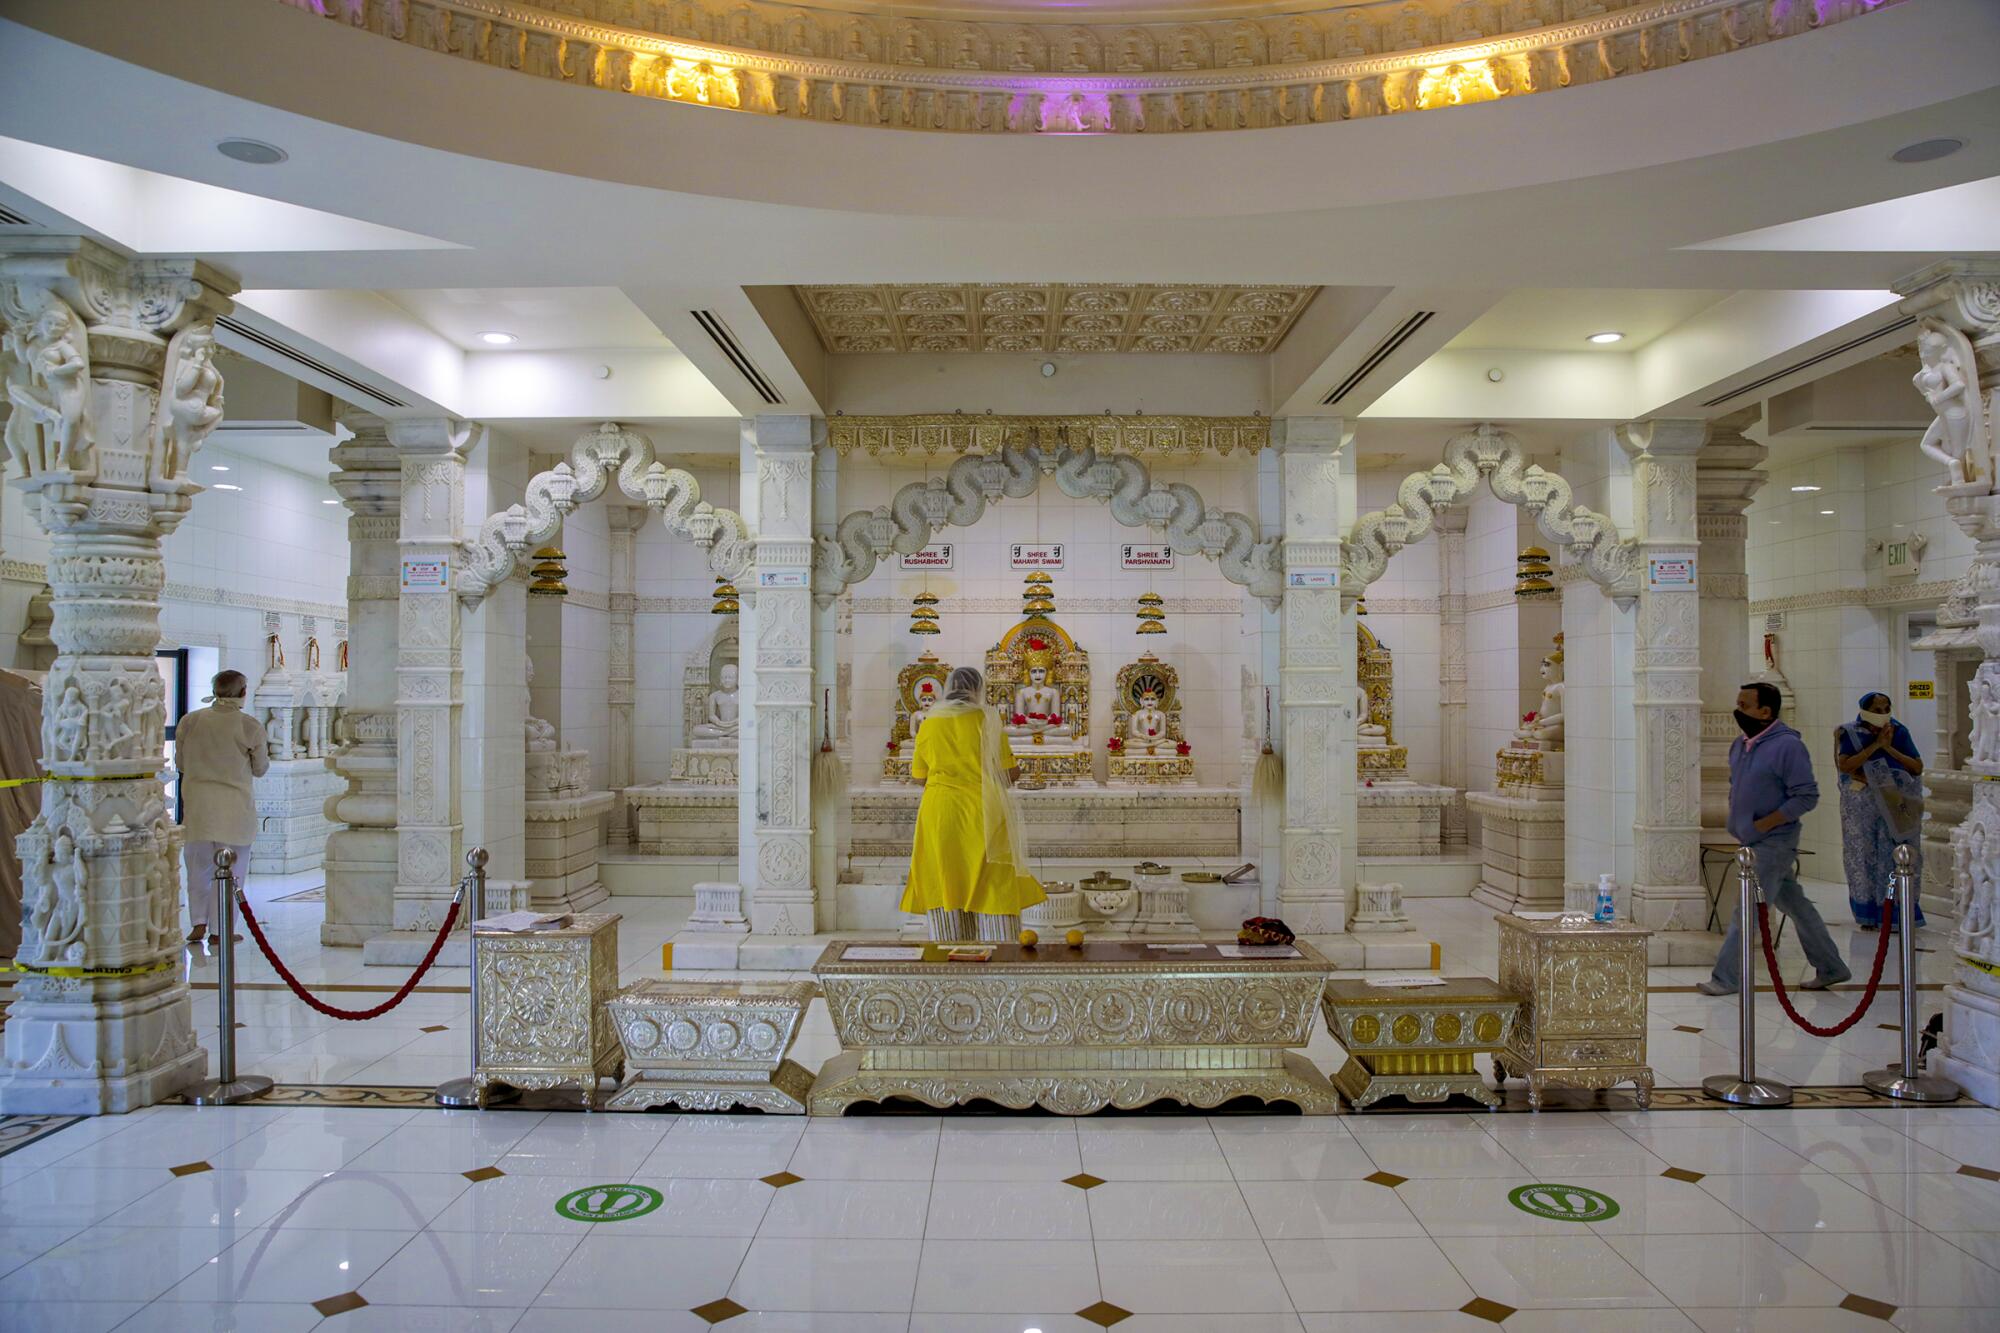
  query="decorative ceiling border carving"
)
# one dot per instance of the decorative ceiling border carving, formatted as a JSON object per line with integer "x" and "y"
{"x": 953, "y": 434}
{"x": 946, "y": 74}
{"x": 1053, "y": 317}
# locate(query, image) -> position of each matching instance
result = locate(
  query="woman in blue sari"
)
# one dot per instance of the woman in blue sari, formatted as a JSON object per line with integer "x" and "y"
{"x": 1881, "y": 805}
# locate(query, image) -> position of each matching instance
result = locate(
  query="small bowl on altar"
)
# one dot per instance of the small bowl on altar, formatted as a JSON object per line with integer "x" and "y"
{"x": 1200, "y": 877}
{"x": 1150, "y": 870}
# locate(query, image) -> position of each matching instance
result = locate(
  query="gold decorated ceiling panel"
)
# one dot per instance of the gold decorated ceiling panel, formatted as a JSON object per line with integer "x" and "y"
{"x": 1053, "y": 317}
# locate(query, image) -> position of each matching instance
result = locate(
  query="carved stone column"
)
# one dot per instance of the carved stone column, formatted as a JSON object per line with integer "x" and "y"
{"x": 624, "y": 522}
{"x": 1957, "y": 305}
{"x": 429, "y": 673}
{"x": 1727, "y": 476}
{"x": 1316, "y": 689}
{"x": 361, "y": 857}
{"x": 111, "y": 371}
{"x": 1453, "y": 771}
{"x": 830, "y": 825}
{"x": 774, "y": 857}
{"x": 1666, "y": 677}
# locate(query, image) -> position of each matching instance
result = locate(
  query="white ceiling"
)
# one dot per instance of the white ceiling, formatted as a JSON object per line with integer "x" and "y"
{"x": 542, "y": 318}
{"x": 1543, "y": 319}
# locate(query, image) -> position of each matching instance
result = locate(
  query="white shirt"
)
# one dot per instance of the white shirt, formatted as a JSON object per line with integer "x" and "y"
{"x": 219, "y": 750}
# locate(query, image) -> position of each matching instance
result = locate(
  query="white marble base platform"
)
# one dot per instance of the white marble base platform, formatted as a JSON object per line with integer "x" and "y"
{"x": 701, "y": 951}
{"x": 1124, "y": 824}
{"x": 683, "y": 819}
{"x": 709, "y": 768}
{"x": 292, "y": 826}
{"x": 1521, "y": 842}
{"x": 565, "y": 837}
{"x": 629, "y": 873}
{"x": 1402, "y": 818}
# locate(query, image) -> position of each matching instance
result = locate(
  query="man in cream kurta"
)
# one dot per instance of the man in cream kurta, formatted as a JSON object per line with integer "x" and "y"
{"x": 219, "y": 750}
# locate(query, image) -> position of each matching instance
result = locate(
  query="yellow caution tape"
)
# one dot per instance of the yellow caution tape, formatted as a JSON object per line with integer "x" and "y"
{"x": 88, "y": 972}
{"x": 76, "y": 777}
{"x": 1988, "y": 968}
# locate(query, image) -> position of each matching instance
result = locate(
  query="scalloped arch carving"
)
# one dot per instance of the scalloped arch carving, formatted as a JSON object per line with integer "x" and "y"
{"x": 959, "y": 498}
{"x": 1490, "y": 454}
{"x": 599, "y": 455}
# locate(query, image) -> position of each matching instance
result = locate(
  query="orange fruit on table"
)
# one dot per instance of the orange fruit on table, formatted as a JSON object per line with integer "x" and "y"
{"x": 1029, "y": 939}
{"x": 1075, "y": 938}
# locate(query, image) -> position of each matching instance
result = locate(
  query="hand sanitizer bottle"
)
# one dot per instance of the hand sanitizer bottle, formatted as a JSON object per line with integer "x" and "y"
{"x": 1607, "y": 910}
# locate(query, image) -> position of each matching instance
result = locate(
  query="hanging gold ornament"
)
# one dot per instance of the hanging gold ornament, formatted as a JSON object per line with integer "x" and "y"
{"x": 1038, "y": 597}
{"x": 1361, "y": 606}
{"x": 1152, "y": 620}
{"x": 548, "y": 573}
{"x": 1533, "y": 579}
{"x": 725, "y": 599}
{"x": 923, "y": 614}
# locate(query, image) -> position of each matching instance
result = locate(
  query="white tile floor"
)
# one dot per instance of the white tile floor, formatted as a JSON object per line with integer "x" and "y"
{"x": 1250, "y": 1223}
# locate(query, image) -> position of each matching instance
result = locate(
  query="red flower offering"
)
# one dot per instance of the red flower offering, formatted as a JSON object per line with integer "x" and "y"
{"x": 1020, "y": 720}
{"x": 1055, "y": 719}
{"x": 1182, "y": 747}
{"x": 1114, "y": 744}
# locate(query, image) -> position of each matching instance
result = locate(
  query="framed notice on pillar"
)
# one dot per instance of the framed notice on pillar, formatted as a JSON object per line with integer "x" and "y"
{"x": 427, "y": 573}
{"x": 1049, "y": 556}
{"x": 783, "y": 578}
{"x": 1157, "y": 555}
{"x": 1312, "y": 578}
{"x": 935, "y": 556}
{"x": 1673, "y": 573}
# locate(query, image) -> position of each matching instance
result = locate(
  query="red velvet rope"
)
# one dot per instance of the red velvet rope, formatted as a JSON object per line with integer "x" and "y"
{"x": 1778, "y": 980}
{"x": 348, "y": 1015}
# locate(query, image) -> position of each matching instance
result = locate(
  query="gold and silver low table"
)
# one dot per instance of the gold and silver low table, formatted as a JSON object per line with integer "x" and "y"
{"x": 1583, "y": 1005}
{"x": 711, "y": 1045}
{"x": 1417, "y": 1043}
{"x": 1073, "y": 1029}
{"x": 543, "y": 1021}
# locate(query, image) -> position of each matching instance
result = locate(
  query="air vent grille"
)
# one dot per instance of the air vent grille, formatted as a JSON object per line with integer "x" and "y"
{"x": 1383, "y": 351}
{"x": 9, "y": 218}
{"x": 315, "y": 365}
{"x": 725, "y": 341}
{"x": 1886, "y": 330}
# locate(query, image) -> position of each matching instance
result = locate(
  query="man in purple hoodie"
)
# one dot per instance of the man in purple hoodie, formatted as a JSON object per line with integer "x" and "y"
{"x": 1770, "y": 786}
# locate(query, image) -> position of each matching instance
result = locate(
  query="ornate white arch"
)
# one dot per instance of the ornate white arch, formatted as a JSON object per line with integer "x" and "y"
{"x": 959, "y": 497}
{"x": 1488, "y": 453}
{"x": 551, "y": 496}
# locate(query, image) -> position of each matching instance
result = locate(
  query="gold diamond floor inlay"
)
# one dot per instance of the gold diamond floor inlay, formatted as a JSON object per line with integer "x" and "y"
{"x": 1873, "y": 1309}
{"x": 480, "y": 1173}
{"x": 1983, "y": 1173}
{"x": 779, "y": 1180}
{"x": 1682, "y": 1173}
{"x": 1104, "y": 1314}
{"x": 1083, "y": 1180}
{"x": 435, "y": 1027}
{"x": 190, "y": 1168}
{"x": 341, "y": 1304}
{"x": 1481, "y": 1308}
{"x": 717, "y": 1311}
{"x": 1683, "y": 1027}
{"x": 1385, "y": 1178}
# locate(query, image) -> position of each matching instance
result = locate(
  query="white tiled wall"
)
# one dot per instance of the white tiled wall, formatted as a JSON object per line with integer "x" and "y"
{"x": 495, "y": 685}
{"x": 664, "y": 642}
{"x": 1599, "y": 760}
{"x": 1412, "y": 575}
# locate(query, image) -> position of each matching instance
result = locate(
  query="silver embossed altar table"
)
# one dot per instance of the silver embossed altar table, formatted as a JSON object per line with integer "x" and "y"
{"x": 1074, "y": 1029}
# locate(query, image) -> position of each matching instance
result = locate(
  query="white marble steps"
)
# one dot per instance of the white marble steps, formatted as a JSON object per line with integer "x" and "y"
{"x": 698, "y": 951}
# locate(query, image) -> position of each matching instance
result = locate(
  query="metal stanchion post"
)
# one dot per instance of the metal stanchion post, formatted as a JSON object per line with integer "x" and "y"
{"x": 466, "y": 1092}
{"x": 1905, "y": 1082}
{"x": 227, "y": 1088}
{"x": 1745, "y": 1088}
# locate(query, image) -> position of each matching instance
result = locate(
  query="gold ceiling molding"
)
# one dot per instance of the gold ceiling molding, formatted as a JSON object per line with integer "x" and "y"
{"x": 1053, "y": 317}
{"x": 952, "y": 434}
{"x": 910, "y": 72}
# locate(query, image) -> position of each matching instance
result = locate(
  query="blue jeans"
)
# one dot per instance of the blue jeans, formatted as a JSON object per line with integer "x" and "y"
{"x": 1776, "y": 855}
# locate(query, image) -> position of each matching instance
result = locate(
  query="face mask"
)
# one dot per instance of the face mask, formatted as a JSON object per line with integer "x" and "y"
{"x": 1876, "y": 719}
{"x": 1752, "y": 725}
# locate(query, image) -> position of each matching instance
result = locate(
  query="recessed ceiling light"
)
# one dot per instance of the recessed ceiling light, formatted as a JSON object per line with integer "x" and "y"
{"x": 217, "y": 467}
{"x": 253, "y": 152}
{"x": 1803, "y": 490}
{"x": 224, "y": 486}
{"x": 329, "y": 502}
{"x": 1926, "y": 150}
{"x": 495, "y": 338}
{"x": 1605, "y": 338}
{"x": 1828, "y": 513}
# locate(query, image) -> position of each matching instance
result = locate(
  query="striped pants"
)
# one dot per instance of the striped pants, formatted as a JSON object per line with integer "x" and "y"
{"x": 947, "y": 925}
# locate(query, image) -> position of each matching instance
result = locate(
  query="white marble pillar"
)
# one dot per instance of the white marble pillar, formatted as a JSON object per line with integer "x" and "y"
{"x": 361, "y": 856}
{"x": 429, "y": 675}
{"x": 1957, "y": 305}
{"x": 1667, "y": 891}
{"x": 830, "y": 827}
{"x": 1727, "y": 477}
{"x": 775, "y": 854}
{"x": 624, "y": 522}
{"x": 1453, "y": 769}
{"x": 1316, "y": 685}
{"x": 110, "y": 363}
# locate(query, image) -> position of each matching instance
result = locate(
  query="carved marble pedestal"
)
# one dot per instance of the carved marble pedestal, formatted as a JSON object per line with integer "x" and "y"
{"x": 292, "y": 826}
{"x": 544, "y": 1020}
{"x": 711, "y": 1045}
{"x": 707, "y": 768}
{"x": 1073, "y": 1030}
{"x": 1419, "y": 1043}
{"x": 1122, "y": 825}
{"x": 565, "y": 835}
{"x": 685, "y": 820}
{"x": 1133, "y": 767}
{"x": 1521, "y": 841}
{"x": 1583, "y": 1005}
{"x": 1402, "y": 818}
{"x": 1378, "y": 908}
{"x": 718, "y": 908}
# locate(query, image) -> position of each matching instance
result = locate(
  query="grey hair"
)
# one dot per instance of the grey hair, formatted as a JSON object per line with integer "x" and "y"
{"x": 229, "y": 684}
{"x": 963, "y": 684}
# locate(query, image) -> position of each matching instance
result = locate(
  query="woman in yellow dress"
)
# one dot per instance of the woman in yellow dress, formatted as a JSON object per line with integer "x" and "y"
{"x": 968, "y": 871}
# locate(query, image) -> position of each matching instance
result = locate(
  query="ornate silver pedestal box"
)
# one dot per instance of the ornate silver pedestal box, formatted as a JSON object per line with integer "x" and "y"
{"x": 1583, "y": 1005}
{"x": 1074, "y": 1029}
{"x": 543, "y": 1021}
{"x": 711, "y": 1045}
